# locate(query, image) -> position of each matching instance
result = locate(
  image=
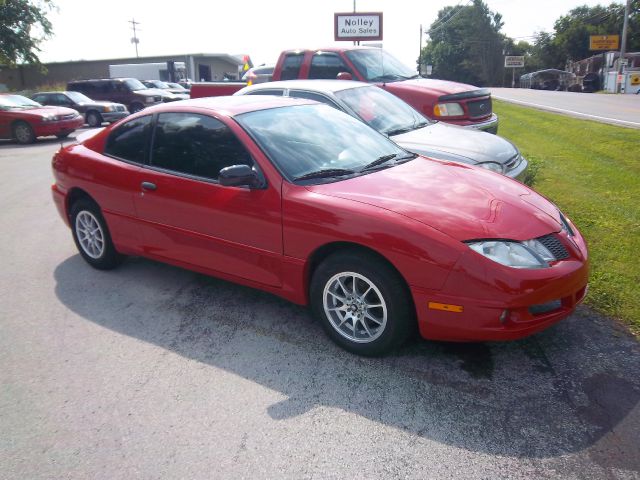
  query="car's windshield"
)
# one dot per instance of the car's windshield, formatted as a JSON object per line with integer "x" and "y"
{"x": 78, "y": 97}
{"x": 134, "y": 84}
{"x": 8, "y": 102}
{"x": 156, "y": 84}
{"x": 324, "y": 139}
{"x": 382, "y": 110}
{"x": 376, "y": 65}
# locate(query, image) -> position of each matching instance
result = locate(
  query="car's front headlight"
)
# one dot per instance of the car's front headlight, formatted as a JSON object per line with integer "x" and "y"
{"x": 448, "y": 110}
{"x": 49, "y": 118}
{"x": 493, "y": 166}
{"x": 527, "y": 254}
{"x": 150, "y": 100}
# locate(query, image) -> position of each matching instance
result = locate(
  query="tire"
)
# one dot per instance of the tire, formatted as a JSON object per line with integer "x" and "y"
{"x": 92, "y": 237}
{"x": 135, "y": 107}
{"x": 93, "y": 119}
{"x": 23, "y": 133}
{"x": 373, "y": 322}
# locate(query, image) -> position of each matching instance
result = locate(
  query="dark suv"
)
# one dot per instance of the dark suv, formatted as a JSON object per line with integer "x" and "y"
{"x": 128, "y": 91}
{"x": 94, "y": 112}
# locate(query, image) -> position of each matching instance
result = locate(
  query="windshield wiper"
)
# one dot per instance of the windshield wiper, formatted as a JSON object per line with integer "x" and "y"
{"x": 326, "y": 172}
{"x": 398, "y": 131}
{"x": 380, "y": 161}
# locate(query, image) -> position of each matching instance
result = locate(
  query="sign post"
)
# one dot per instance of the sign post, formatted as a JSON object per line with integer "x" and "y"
{"x": 357, "y": 26}
{"x": 513, "y": 62}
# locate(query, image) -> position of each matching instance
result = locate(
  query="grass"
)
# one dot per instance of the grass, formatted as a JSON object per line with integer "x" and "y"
{"x": 592, "y": 172}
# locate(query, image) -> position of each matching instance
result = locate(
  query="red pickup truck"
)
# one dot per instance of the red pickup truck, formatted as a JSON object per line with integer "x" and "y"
{"x": 450, "y": 102}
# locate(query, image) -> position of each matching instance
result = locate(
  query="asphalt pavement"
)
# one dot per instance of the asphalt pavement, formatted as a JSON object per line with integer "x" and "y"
{"x": 622, "y": 110}
{"x": 154, "y": 372}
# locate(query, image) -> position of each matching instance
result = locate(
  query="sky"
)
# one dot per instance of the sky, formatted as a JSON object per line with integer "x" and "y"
{"x": 91, "y": 29}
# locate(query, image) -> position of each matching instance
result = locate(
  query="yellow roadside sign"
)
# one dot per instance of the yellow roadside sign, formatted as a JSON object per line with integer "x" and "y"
{"x": 604, "y": 42}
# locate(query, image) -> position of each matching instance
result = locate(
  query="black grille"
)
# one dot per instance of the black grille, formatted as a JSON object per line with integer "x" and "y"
{"x": 479, "y": 108}
{"x": 513, "y": 162}
{"x": 553, "y": 244}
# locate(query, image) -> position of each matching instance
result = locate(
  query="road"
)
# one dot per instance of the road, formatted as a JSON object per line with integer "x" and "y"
{"x": 154, "y": 372}
{"x": 623, "y": 110}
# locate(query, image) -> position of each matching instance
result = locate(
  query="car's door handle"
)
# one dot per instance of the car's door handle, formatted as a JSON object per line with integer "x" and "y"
{"x": 148, "y": 186}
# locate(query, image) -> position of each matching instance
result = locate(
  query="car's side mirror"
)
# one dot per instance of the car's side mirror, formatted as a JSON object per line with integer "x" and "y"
{"x": 344, "y": 76}
{"x": 238, "y": 176}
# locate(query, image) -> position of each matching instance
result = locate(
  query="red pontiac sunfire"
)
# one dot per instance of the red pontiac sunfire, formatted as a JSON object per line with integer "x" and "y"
{"x": 304, "y": 201}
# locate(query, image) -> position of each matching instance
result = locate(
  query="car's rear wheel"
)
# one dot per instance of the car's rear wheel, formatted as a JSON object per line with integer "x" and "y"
{"x": 23, "y": 133}
{"x": 93, "y": 119}
{"x": 92, "y": 237}
{"x": 362, "y": 303}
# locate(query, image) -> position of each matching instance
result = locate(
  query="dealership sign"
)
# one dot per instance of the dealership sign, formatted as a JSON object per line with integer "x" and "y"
{"x": 604, "y": 42}
{"x": 513, "y": 61}
{"x": 358, "y": 26}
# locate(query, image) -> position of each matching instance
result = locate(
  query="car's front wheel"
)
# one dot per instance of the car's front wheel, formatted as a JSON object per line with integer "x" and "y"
{"x": 92, "y": 237}
{"x": 93, "y": 119}
{"x": 362, "y": 303}
{"x": 23, "y": 133}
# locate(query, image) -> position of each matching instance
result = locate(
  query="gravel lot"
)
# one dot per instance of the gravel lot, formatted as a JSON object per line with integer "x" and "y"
{"x": 149, "y": 371}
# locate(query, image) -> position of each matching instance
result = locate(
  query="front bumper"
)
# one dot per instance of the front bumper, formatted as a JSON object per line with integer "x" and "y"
{"x": 502, "y": 303}
{"x": 489, "y": 125}
{"x": 59, "y": 127}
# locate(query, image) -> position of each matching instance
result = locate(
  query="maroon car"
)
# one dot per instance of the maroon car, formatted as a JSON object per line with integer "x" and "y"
{"x": 23, "y": 120}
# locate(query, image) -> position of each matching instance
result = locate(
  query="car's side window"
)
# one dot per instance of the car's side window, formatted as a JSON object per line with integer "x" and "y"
{"x": 60, "y": 99}
{"x": 327, "y": 65}
{"x": 313, "y": 96}
{"x": 42, "y": 99}
{"x": 130, "y": 140}
{"x": 270, "y": 91}
{"x": 291, "y": 66}
{"x": 196, "y": 145}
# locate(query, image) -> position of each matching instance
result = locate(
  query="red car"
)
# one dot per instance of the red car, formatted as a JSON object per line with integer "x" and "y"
{"x": 306, "y": 202}
{"x": 23, "y": 119}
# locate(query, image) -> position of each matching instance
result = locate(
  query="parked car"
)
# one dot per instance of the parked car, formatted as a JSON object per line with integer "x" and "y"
{"x": 178, "y": 88}
{"x": 260, "y": 74}
{"x": 95, "y": 112}
{"x": 128, "y": 91}
{"x": 23, "y": 120}
{"x": 403, "y": 124}
{"x": 179, "y": 93}
{"x": 304, "y": 201}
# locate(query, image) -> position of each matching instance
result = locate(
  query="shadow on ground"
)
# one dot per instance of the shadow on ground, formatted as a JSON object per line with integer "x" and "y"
{"x": 574, "y": 387}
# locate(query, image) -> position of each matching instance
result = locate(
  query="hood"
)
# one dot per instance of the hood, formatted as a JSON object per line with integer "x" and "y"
{"x": 436, "y": 87}
{"x": 461, "y": 201}
{"x": 96, "y": 103}
{"x": 42, "y": 111}
{"x": 450, "y": 142}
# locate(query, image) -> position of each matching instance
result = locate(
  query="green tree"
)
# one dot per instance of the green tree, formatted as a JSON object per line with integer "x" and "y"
{"x": 466, "y": 45}
{"x": 572, "y": 31}
{"x": 23, "y": 26}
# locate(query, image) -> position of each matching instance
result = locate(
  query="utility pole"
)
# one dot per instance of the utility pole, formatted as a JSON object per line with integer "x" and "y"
{"x": 623, "y": 44}
{"x": 420, "y": 53}
{"x": 135, "y": 40}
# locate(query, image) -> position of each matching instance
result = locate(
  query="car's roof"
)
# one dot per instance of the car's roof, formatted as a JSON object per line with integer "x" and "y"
{"x": 324, "y": 86}
{"x": 329, "y": 49}
{"x": 232, "y": 105}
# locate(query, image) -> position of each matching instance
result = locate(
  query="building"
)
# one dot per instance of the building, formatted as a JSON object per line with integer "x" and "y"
{"x": 200, "y": 67}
